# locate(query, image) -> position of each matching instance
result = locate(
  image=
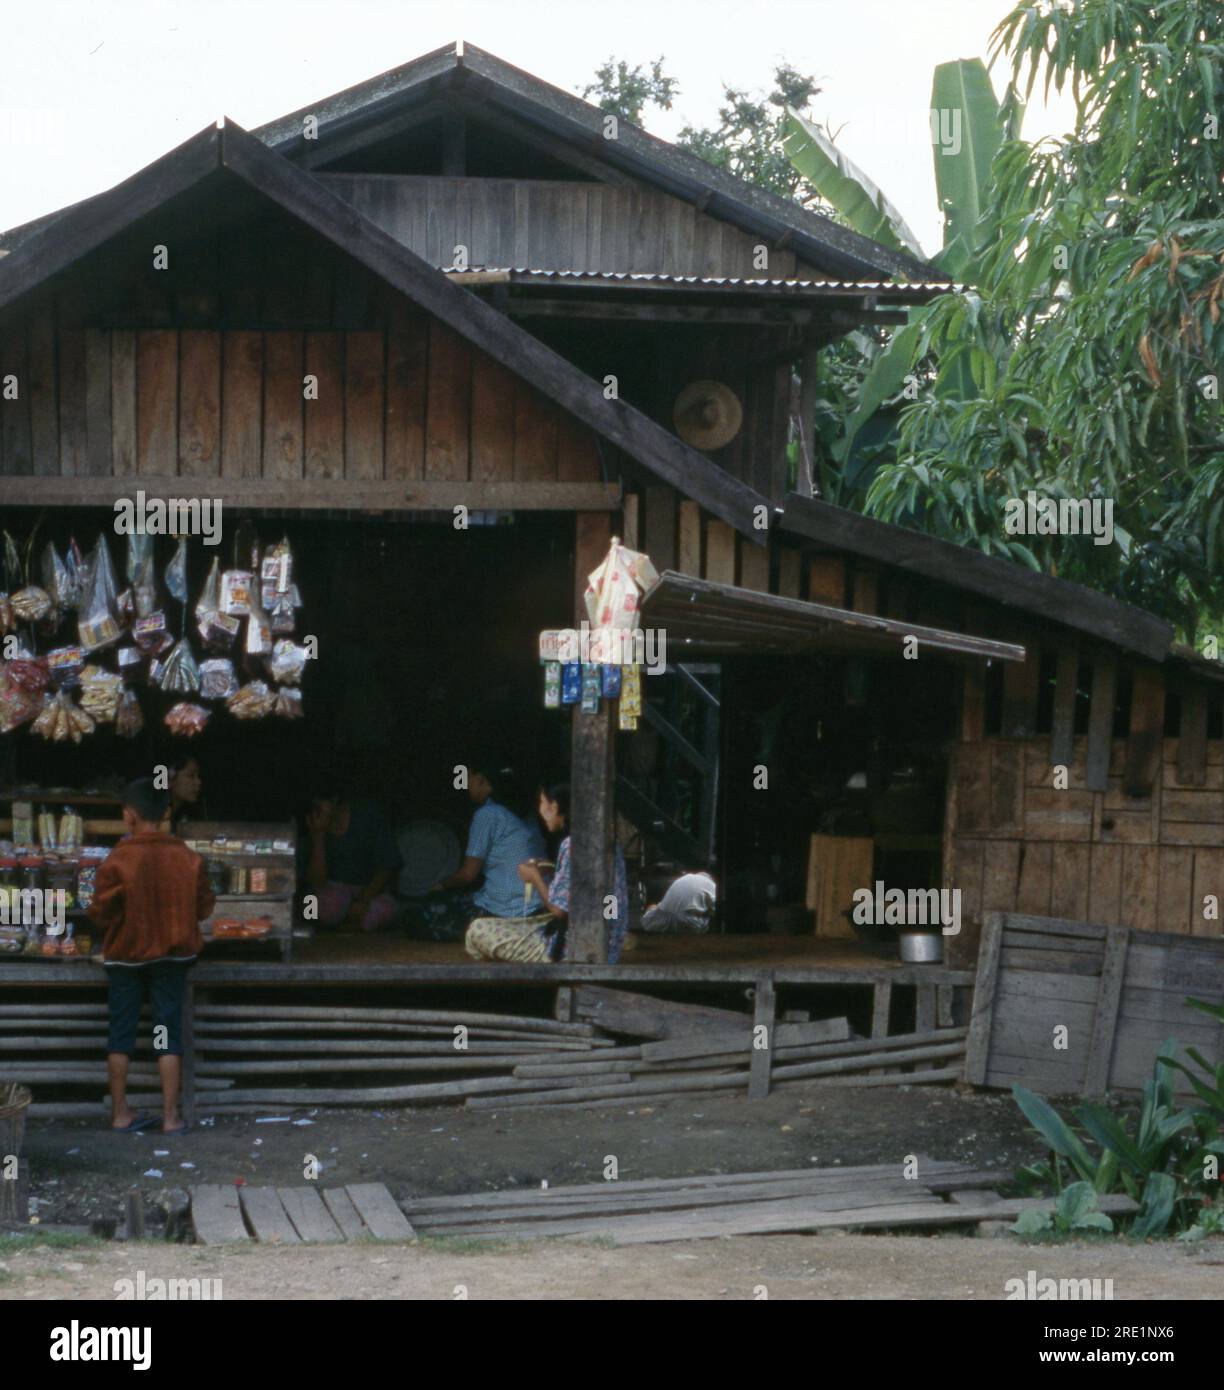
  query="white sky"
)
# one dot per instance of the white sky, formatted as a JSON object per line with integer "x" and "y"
{"x": 92, "y": 90}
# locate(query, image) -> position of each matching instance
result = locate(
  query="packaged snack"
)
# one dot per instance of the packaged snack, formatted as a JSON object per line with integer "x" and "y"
{"x": 129, "y": 718}
{"x": 99, "y": 623}
{"x": 288, "y": 702}
{"x": 23, "y": 822}
{"x": 100, "y": 693}
{"x": 30, "y": 672}
{"x": 253, "y": 701}
{"x": 65, "y": 664}
{"x": 610, "y": 681}
{"x": 61, "y": 720}
{"x": 140, "y": 573}
{"x": 571, "y": 683}
{"x": 288, "y": 662}
{"x": 259, "y": 630}
{"x": 31, "y": 604}
{"x": 236, "y": 592}
{"x": 626, "y": 722}
{"x": 187, "y": 720}
{"x": 631, "y": 690}
{"x": 210, "y": 596}
{"x": 176, "y": 573}
{"x": 46, "y": 832}
{"x": 277, "y": 567}
{"x": 70, "y": 833}
{"x": 217, "y": 679}
{"x": 179, "y": 673}
{"x": 552, "y": 685}
{"x": 590, "y": 688}
{"x": 219, "y": 630}
{"x": 56, "y": 582}
{"x": 129, "y": 658}
{"x": 17, "y": 705}
{"x": 280, "y": 611}
{"x": 75, "y": 565}
{"x": 149, "y": 632}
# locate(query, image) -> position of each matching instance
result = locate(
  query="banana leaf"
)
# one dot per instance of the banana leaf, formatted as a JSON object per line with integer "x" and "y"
{"x": 1158, "y": 1198}
{"x": 841, "y": 183}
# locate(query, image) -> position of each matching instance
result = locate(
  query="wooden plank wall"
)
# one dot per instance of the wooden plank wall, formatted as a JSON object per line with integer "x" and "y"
{"x": 1021, "y": 845}
{"x": 412, "y": 402}
{"x": 552, "y": 225}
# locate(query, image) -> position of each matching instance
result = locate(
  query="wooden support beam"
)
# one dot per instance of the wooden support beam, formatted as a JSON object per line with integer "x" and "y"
{"x": 1192, "y": 735}
{"x": 764, "y": 1007}
{"x": 1062, "y": 730}
{"x": 1100, "y": 722}
{"x": 1145, "y": 741}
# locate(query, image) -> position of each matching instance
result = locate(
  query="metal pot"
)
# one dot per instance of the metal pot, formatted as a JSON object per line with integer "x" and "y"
{"x": 921, "y": 947}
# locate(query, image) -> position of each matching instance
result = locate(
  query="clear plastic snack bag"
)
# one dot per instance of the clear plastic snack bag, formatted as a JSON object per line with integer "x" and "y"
{"x": 56, "y": 581}
{"x": 210, "y": 596}
{"x": 179, "y": 672}
{"x": 217, "y": 679}
{"x": 253, "y": 701}
{"x": 287, "y": 662}
{"x": 99, "y": 625}
{"x": 176, "y": 572}
{"x": 288, "y": 703}
{"x": 140, "y": 573}
{"x": 187, "y": 720}
{"x": 129, "y": 717}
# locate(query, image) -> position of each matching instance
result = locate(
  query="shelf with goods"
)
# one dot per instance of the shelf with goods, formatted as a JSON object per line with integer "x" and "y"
{"x": 253, "y": 869}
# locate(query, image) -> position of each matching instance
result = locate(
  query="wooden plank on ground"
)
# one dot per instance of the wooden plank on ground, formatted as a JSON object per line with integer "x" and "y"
{"x": 344, "y": 1213}
{"x": 642, "y": 1016}
{"x": 311, "y": 1219}
{"x": 262, "y": 1208}
{"x": 378, "y": 1210}
{"x": 825, "y": 1030}
{"x": 217, "y": 1216}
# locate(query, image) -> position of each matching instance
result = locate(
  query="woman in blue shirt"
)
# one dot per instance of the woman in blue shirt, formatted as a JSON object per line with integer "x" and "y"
{"x": 499, "y": 839}
{"x": 542, "y": 937}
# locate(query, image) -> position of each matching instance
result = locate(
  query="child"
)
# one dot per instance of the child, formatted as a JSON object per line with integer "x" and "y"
{"x": 151, "y": 894}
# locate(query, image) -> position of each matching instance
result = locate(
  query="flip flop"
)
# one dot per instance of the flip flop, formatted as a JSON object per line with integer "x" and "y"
{"x": 180, "y": 1129}
{"x": 138, "y": 1125}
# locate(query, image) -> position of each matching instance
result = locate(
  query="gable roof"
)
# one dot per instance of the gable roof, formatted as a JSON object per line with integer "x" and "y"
{"x": 991, "y": 576}
{"x": 498, "y": 84}
{"x": 228, "y": 153}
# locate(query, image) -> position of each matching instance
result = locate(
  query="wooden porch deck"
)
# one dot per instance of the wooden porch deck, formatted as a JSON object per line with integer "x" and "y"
{"x": 397, "y": 960}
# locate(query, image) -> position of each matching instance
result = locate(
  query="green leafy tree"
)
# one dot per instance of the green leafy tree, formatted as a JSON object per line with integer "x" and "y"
{"x": 626, "y": 92}
{"x": 1086, "y": 360}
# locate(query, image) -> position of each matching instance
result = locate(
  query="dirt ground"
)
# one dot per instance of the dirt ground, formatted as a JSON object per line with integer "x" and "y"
{"x": 832, "y": 1266}
{"x": 80, "y": 1172}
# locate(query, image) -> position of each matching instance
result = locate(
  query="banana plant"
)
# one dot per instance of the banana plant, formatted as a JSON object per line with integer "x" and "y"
{"x": 968, "y": 125}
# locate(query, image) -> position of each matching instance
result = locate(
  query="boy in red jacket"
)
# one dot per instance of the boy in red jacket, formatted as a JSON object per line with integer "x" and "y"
{"x": 151, "y": 895}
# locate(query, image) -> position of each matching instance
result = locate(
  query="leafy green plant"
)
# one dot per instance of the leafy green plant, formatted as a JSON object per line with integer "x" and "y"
{"x": 1074, "y": 1211}
{"x": 1135, "y": 1163}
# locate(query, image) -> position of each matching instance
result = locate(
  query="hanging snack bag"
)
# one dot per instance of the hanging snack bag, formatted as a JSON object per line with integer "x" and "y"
{"x": 56, "y": 581}
{"x": 552, "y": 685}
{"x": 176, "y": 573}
{"x": 280, "y": 612}
{"x": 140, "y": 573}
{"x": 253, "y": 701}
{"x": 61, "y": 720}
{"x": 100, "y": 693}
{"x": 277, "y": 567}
{"x": 31, "y": 604}
{"x": 187, "y": 720}
{"x": 219, "y": 630}
{"x": 571, "y": 683}
{"x": 287, "y": 663}
{"x": 149, "y": 633}
{"x": 65, "y": 666}
{"x": 75, "y": 565}
{"x": 17, "y": 705}
{"x": 129, "y": 718}
{"x": 99, "y": 624}
{"x": 210, "y": 596}
{"x": 590, "y": 688}
{"x": 288, "y": 702}
{"x": 30, "y": 672}
{"x": 631, "y": 691}
{"x": 610, "y": 681}
{"x": 236, "y": 592}
{"x": 217, "y": 679}
{"x": 179, "y": 673}
{"x": 259, "y": 630}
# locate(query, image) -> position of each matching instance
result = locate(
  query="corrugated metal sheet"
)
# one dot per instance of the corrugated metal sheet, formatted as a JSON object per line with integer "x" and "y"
{"x": 527, "y": 275}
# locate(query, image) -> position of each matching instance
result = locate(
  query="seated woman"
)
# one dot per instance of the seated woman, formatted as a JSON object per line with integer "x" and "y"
{"x": 352, "y": 859}
{"x": 503, "y": 833}
{"x": 542, "y": 937}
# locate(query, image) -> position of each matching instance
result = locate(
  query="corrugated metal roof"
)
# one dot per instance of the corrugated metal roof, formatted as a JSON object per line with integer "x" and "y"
{"x": 526, "y": 274}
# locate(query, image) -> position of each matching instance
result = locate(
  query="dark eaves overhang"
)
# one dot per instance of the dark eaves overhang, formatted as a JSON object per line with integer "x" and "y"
{"x": 1056, "y": 600}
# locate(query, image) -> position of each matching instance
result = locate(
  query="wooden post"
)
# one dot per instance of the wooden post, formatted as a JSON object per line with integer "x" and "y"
{"x": 187, "y": 1078}
{"x": 764, "y": 1007}
{"x": 592, "y": 757}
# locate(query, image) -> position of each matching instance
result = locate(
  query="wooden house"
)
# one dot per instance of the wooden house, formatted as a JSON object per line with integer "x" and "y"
{"x": 501, "y": 299}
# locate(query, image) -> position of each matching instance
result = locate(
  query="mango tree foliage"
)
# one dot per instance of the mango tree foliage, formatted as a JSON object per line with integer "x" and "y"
{"x": 1086, "y": 361}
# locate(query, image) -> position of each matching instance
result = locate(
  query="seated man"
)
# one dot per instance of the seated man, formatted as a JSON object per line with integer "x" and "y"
{"x": 353, "y": 858}
{"x": 687, "y": 906}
